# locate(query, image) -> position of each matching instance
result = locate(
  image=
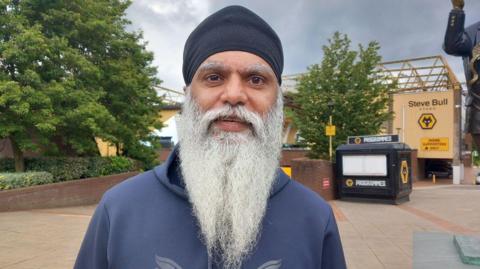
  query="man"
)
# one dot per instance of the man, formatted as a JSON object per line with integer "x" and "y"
{"x": 220, "y": 200}
{"x": 466, "y": 43}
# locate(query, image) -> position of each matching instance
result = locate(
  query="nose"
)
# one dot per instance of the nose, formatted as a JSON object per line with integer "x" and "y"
{"x": 234, "y": 92}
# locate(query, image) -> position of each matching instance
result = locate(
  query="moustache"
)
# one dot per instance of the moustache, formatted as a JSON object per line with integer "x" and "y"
{"x": 234, "y": 114}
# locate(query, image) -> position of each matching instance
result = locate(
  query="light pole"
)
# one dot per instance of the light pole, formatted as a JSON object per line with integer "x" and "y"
{"x": 331, "y": 105}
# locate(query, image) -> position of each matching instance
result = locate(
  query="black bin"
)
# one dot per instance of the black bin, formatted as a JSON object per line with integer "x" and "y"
{"x": 374, "y": 172}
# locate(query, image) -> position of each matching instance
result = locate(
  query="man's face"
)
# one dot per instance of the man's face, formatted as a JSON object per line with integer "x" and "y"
{"x": 235, "y": 78}
{"x": 230, "y": 133}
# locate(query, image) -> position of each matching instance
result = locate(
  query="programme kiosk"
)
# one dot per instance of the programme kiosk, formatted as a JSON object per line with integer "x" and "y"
{"x": 374, "y": 168}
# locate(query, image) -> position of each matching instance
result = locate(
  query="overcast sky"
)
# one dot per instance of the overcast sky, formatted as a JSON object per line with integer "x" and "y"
{"x": 404, "y": 28}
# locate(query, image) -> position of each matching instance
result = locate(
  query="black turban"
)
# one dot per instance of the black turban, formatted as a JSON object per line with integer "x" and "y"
{"x": 233, "y": 28}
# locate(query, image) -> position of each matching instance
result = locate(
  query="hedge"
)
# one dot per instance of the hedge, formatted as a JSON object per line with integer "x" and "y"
{"x": 18, "y": 180}
{"x": 68, "y": 168}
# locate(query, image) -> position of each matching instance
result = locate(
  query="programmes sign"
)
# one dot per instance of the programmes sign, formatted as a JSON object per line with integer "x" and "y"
{"x": 372, "y": 183}
{"x": 371, "y": 139}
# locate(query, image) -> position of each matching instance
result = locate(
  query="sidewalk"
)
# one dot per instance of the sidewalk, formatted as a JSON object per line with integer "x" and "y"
{"x": 42, "y": 238}
{"x": 381, "y": 236}
{"x": 373, "y": 235}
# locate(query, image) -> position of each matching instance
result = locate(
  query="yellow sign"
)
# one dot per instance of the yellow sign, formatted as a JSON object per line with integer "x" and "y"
{"x": 358, "y": 140}
{"x": 287, "y": 170}
{"x": 430, "y": 107}
{"x": 349, "y": 182}
{"x": 434, "y": 143}
{"x": 330, "y": 130}
{"x": 427, "y": 121}
{"x": 404, "y": 171}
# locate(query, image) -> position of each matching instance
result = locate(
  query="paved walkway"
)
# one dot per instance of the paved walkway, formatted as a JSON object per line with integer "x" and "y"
{"x": 373, "y": 235}
{"x": 42, "y": 238}
{"x": 381, "y": 236}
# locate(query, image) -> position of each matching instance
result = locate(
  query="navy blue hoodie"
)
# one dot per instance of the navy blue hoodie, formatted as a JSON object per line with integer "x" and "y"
{"x": 146, "y": 222}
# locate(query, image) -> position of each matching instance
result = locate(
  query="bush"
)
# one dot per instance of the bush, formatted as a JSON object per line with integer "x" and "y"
{"x": 68, "y": 168}
{"x": 18, "y": 180}
{"x": 145, "y": 152}
{"x": 96, "y": 166}
{"x": 102, "y": 166}
{"x": 117, "y": 165}
{"x": 7, "y": 165}
{"x": 61, "y": 168}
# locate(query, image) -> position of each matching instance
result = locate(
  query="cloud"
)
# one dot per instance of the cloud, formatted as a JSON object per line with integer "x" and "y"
{"x": 166, "y": 25}
{"x": 404, "y": 29}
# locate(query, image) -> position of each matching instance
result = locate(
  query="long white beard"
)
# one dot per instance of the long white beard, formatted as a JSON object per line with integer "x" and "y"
{"x": 228, "y": 175}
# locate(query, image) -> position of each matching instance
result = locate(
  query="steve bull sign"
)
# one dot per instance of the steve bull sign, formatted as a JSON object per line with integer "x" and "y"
{"x": 426, "y": 120}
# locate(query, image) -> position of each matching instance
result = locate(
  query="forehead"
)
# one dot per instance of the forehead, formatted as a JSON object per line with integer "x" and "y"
{"x": 236, "y": 60}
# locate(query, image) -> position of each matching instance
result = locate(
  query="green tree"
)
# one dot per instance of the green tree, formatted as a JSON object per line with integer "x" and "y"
{"x": 70, "y": 72}
{"x": 348, "y": 79}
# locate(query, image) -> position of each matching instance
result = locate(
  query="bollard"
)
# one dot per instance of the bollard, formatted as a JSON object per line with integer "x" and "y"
{"x": 433, "y": 179}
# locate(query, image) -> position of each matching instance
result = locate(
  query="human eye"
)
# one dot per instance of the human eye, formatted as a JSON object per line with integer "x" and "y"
{"x": 257, "y": 80}
{"x": 213, "y": 79}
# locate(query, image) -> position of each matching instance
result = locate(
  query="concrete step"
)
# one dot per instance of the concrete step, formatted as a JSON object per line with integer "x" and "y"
{"x": 468, "y": 248}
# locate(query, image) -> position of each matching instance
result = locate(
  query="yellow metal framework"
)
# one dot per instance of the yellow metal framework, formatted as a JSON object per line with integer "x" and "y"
{"x": 170, "y": 97}
{"x": 289, "y": 82}
{"x": 411, "y": 75}
{"x": 419, "y": 74}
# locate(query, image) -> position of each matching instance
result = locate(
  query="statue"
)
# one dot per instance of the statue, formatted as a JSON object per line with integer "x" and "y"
{"x": 465, "y": 42}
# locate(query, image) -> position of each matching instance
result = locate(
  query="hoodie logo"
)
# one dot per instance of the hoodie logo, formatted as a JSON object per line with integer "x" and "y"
{"x": 271, "y": 265}
{"x": 165, "y": 263}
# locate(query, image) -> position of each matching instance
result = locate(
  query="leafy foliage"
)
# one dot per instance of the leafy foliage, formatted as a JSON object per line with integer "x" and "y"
{"x": 18, "y": 180}
{"x": 111, "y": 165}
{"x": 347, "y": 78}
{"x": 62, "y": 169}
{"x": 69, "y": 168}
{"x": 7, "y": 165}
{"x": 70, "y": 72}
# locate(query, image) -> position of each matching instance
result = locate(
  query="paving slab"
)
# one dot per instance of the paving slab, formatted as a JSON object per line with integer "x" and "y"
{"x": 468, "y": 247}
{"x": 436, "y": 251}
{"x": 42, "y": 238}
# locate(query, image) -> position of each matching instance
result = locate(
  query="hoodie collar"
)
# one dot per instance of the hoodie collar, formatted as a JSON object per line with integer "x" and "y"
{"x": 169, "y": 174}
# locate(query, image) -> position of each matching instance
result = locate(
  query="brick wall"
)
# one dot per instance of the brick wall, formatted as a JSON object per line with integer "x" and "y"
{"x": 163, "y": 154}
{"x": 70, "y": 193}
{"x": 289, "y": 154}
{"x": 317, "y": 175}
